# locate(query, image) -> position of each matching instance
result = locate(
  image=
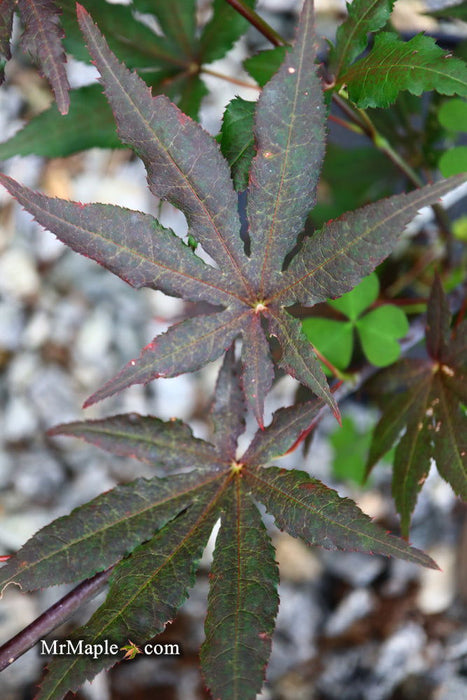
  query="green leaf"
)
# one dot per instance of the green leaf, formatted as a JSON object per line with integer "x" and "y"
{"x": 454, "y": 161}
{"x": 222, "y": 31}
{"x": 333, "y": 339}
{"x": 457, "y": 10}
{"x": 351, "y": 178}
{"x": 350, "y": 445}
{"x": 393, "y": 65}
{"x": 263, "y": 65}
{"x": 237, "y": 140}
{"x": 98, "y": 534}
{"x": 89, "y": 123}
{"x": 360, "y": 298}
{"x": 242, "y": 603}
{"x": 364, "y": 16}
{"x": 139, "y": 606}
{"x": 308, "y": 509}
{"x": 132, "y": 40}
{"x": 177, "y": 20}
{"x": 289, "y": 131}
{"x": 453, "y": 114}
{"x": 166, "y": 445}
{"x": 378, "y": 331}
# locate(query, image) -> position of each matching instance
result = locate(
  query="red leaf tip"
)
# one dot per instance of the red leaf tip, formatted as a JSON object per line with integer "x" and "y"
{"x": 80, "y": 10}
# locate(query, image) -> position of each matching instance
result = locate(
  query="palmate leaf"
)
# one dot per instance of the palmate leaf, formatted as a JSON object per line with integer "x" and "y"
{"x": 427, "y": 405}
{"x": 393, "y": 65}
{"x": 161, "y": 526}
{"x": 186, "y": 167}
{"x": 42, "y": 38}
{"x": 352, "y": 35}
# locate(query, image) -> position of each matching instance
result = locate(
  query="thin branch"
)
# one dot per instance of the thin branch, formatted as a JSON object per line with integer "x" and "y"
{"x": 258, "y": 22}
{"x": 235, "y": 81}
{"x": 363, "y": 121}
{"x": 52, "y": 618}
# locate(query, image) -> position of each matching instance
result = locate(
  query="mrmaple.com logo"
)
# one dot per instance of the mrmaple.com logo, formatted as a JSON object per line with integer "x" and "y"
{"x": 79, "y": 647}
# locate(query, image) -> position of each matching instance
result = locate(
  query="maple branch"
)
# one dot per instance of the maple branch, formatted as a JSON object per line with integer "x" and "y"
{"x": 235, "y": 81}
{"x": 52, "y": 618}
{"x": 361, "y": 119}
{"x": 258, "y": 22}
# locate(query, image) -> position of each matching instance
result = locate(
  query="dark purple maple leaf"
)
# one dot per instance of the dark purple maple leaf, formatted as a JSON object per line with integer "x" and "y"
{"x": 185, "y": 166}
{"x": 424, "y": 397}
{"x": 153, "y": 532}
{"x": 42, "y": 38}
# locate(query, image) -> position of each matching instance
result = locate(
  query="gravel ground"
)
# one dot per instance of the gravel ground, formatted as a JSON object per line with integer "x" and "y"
{"x": 350, "y": 627}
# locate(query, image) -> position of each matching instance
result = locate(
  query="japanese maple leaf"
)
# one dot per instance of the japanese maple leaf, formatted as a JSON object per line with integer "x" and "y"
{"x": 42, "y": 38}
{"x": 185, "y": 167}
{"x": 153, "y": 531}
{"x": 424, "y": 397}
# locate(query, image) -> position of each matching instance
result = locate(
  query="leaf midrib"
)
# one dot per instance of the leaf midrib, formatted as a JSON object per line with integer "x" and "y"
{"x": 272, "y": 487}
{"x": 108, "y": 526}
{"x": 203, "y": 516}
{"x": 186, "y": 178}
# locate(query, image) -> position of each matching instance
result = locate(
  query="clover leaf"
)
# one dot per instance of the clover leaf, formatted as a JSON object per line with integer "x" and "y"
{"x": 378, "y": 330}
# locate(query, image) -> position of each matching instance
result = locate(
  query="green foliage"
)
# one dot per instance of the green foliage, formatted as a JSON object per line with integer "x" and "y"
{"x": 393, "y": 65}
{"x": 268, "y": 267}
{"x": 453, "y": 116}
{"x": 350, "y": 447}
{"x": 378, "y": 329}
{"x": 171, "y": 63}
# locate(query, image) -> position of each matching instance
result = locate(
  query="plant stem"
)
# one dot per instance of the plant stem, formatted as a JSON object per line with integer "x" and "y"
{"x": 52, "y": 618}
{"x": 258, "y": 22}
{"x": 363, "y": 121}
{"x": 229, "y": 79}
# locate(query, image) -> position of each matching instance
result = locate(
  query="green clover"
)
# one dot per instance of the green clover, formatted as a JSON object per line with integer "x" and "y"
{"x": 378, "y": 329}
{"x": 453, "y": 116}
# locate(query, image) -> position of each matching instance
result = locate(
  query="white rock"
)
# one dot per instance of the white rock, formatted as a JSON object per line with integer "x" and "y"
{"x": 20, "y": 419}
{"x": 94, "y": 337}
{"x": 11, "y": 325}
{"x": 36, "y": 331}
{"x": 22, "y": 371}
{"x": 18, "y": 274}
